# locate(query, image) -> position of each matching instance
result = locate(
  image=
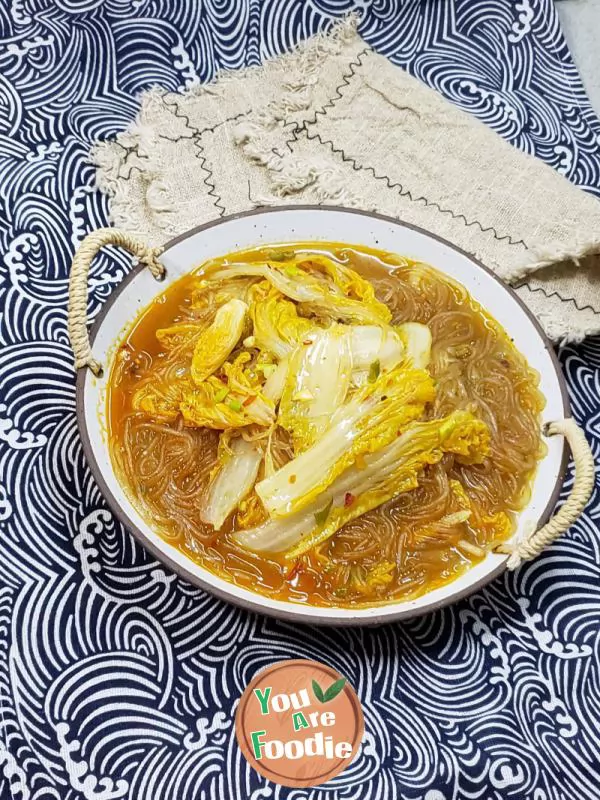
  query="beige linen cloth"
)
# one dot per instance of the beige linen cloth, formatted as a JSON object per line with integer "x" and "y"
{"x": 334, "y": 123}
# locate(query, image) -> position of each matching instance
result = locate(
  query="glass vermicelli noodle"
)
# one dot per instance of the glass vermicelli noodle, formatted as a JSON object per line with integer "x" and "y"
{"x": 229, "y": 394}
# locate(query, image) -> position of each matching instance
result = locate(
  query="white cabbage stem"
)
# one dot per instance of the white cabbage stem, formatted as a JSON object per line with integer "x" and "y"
{"x": 233, "y": 482}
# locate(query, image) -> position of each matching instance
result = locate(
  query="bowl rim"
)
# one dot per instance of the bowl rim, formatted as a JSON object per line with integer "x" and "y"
{"x": 262, "y": 604}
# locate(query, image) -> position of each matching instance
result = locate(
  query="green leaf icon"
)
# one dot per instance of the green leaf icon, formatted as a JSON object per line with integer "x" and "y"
{"x": 330, "y": 693}
{"x": 318, "y": 692}
{"x": 334, "y": 690}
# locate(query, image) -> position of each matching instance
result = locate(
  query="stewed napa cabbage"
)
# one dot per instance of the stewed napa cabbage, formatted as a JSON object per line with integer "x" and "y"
{"x": 324, "y": 423}
{"x": 310, "y": 355}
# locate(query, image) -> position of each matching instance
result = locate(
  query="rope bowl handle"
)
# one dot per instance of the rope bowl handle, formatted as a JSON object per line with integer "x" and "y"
{"x": 532, "y": 545}
{"x": 78, "y": 289}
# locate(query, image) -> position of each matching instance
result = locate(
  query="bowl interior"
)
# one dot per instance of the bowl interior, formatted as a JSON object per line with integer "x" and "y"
{"x": 291, "y": 224}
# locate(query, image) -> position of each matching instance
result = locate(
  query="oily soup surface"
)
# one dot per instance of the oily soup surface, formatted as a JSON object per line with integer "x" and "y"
{"x": 413, "y": 543}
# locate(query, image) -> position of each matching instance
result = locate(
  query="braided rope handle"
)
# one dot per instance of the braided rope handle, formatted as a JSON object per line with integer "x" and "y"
{"x": 583, "y": 484}
{"x": 78, "y": 290}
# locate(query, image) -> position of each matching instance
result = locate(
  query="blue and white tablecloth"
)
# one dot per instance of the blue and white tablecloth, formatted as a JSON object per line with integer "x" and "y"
{"x": 117, "y": 679}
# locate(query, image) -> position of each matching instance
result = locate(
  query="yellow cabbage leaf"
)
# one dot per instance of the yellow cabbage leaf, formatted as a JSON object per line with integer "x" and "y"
{"x": 317, "y": 383}
{"x": 376, "y": 414}
{"x": 206, "y": 294}
{"x": 216, "y": 342}
{"x": 345, "y": 278}
{"x": 275, "y": 383}
{"x": 416, "y": 339}
{"x": 245, "y": 384}
{"x": 251, "y": 512}
{"x": 490, "y": 528}
{"x": 277, "y": 326}
{"x": 233, "y": 481}
{"x": 160, "y": 400}
{"x": 384, "y": 474}
{"x": 322, "y": 297}
{"x": 233, "y": 402}
{"x": 370, "y": 343}
{"x": 210, "y": 405}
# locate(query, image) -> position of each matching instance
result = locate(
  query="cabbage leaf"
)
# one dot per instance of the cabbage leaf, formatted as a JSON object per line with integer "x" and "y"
{"x": 178, "y": 335}
{"x": 233, "y": 481}
{"x": 317, "y": 383}
{"x": 322, "y": 297}
{"x": 390, "y": 471}
{"x": 375, "y": 415}
{"x": 416, "y": 339}
{"x": 160, "y": 400}
{"x": 277, "y": 326}
{"x": 347, "y": 280}
{"x": 233, "y": 402}
{"x": 216, "y": 343}
{"x": 275, "y": 383}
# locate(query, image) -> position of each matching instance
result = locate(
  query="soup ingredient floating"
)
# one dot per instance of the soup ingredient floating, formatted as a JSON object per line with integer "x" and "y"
{"x": 282, "y": 402}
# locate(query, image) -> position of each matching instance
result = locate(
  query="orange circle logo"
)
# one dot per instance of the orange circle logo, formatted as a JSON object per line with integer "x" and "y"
{"x": 299, "y": 723}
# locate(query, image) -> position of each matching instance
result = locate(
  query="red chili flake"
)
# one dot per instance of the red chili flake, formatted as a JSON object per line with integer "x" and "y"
{"x": 307, "y": 341}
{"x": 294, "y": 571}
{"x": 250, "y": 399}
{"x": 349, "y": 498}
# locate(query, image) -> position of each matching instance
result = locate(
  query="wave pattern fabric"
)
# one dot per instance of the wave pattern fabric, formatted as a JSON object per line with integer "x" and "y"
{"x": 117, "y": 679}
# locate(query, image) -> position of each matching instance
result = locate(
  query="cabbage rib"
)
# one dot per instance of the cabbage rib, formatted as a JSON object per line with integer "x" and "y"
{"x": 233, "y": 481}
{"x": 371, "y": 419}
{"x": 416, "y": 339}
{"x": 217, "y": 342}
{"x": 277, "y": 326}
{"x": 322, "y": 297}
{"x": 386, "y": 473}
{"x": 317, "y": 383}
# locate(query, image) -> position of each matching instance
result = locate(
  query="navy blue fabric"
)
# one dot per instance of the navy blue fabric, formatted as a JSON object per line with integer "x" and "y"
{"x": 117, "y": 679}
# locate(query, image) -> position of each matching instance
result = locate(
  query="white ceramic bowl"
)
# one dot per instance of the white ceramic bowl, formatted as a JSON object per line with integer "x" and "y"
{"x": 294, "y": 224}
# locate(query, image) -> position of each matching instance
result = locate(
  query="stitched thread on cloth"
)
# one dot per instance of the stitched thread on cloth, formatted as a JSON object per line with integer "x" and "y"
{"x": 334, "y": 123}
